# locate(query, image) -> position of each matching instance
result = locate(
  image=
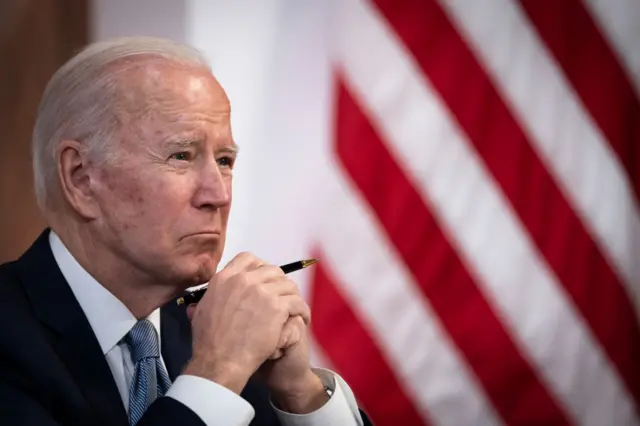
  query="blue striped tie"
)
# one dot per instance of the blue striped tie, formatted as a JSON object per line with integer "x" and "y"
{"x": 150, "y": 380}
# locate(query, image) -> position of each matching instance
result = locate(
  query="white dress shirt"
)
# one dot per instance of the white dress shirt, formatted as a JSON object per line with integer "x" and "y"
{"x": 214, "y": 404}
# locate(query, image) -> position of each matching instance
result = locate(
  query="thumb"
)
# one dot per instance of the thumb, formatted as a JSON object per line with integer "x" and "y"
{"x": 283, "y": 342}
{"x": 191, "y": 309}
{"x": 291, "y": 333}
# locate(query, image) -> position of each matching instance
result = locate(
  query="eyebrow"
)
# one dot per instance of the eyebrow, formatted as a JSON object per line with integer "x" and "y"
{"x": 190, "y": 143}
{"x": 233, "y": 148}
{"x": 181, "y": 143}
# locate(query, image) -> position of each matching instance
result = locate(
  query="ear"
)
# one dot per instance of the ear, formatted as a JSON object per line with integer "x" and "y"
{"x": 75, "y": 179}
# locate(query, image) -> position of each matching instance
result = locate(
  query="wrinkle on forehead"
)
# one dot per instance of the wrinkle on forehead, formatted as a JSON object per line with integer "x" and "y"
{"x": 159, "y": 86}
{"x": 157, "y": 97}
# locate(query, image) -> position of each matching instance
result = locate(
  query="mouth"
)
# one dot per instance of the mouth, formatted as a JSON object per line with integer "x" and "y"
{"x": 204, "y": 234}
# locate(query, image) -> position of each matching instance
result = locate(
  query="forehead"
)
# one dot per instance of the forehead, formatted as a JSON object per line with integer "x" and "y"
{"x": 160, "y": 88}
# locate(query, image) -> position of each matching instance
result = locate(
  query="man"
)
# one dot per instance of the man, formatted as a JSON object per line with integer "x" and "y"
{"x": 133, "y": 159}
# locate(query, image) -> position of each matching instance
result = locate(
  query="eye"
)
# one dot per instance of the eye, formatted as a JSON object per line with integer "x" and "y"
{"x": 181, "y": 156}
{"x": 226, "y": 161}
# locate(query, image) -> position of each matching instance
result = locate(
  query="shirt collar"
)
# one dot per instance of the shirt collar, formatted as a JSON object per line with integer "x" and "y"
{"x": 109, "y": 318}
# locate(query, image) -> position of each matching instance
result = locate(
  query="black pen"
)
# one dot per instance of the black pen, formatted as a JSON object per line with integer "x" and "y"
{"x": 196, "y": 295}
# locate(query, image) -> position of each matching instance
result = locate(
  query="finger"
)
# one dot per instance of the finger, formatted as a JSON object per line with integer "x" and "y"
{"x": 291, "y": 333}
{"x": 286, "y": 334}
{"x": 295, "y": 305}
{"x": 191, "y": 309}
{"x": 277, "y": 354}
{"x": 242, "y": 262}
{"x": 265, "y": 273}
{"x": 281, "y": 286}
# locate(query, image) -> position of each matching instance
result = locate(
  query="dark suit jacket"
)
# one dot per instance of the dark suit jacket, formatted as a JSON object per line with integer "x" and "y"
{"x": 52, "y": 370}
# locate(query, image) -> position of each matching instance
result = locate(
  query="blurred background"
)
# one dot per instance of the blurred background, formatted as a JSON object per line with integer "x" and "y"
{"x": 467, "y": 171}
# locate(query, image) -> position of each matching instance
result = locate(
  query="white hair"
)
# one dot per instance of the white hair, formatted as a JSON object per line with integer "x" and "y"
{"x": 81, "y": 100}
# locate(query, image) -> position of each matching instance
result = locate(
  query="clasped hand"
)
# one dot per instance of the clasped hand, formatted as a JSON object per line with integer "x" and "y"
{"x": 251, "y": 320}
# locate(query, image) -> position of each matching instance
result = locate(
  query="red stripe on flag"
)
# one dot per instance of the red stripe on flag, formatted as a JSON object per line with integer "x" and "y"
{"x": 555, "y": 228}
{"x": 509, "y": 380}
{"x": 356, "y": 356}
{"x": 596, "y": 75}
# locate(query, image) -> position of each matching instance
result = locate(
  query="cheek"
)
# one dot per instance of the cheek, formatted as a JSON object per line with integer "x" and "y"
{"x": 156, "y": 206}
{"x": 134, "y": 201}
{"x": 126, "y": 209}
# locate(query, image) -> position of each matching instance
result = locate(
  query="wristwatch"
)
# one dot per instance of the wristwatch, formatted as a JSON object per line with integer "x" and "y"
{"x": 328, "y": 390}
{"x": 328, "y": 383}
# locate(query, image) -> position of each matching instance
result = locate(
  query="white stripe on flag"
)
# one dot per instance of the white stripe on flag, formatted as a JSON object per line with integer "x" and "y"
{"x": 318, "y": 356}
{"x": 375, "y": 285}
{"x": 562, "y": 132}
{"x": 437, "y": 157}
{"x": 620, "y": 21}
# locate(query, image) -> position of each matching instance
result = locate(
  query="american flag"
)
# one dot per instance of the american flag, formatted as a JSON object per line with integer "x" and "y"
{"x": 480, "y": 258}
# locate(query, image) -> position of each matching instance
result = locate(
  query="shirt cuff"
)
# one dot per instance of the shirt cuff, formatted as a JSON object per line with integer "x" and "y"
{"x": 341, "y": 409}
{"x": 213, "y": 403}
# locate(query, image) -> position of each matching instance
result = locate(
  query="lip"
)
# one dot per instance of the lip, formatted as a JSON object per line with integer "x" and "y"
{"x": 204, "y": 234}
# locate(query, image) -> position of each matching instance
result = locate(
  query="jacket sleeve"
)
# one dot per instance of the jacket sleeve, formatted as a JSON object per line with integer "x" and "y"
{"x": 168, "y": 411}
{"x": 18, "y": 408}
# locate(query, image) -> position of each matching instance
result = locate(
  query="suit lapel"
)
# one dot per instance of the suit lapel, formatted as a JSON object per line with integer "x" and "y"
{"x": 175, "y": 330}
{"x": 55, "y": 306}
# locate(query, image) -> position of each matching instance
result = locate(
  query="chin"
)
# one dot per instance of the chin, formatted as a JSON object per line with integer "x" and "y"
{"x": 189, "y": 271}
{"x": 202, "y": 277}
{"x": 202, "y": 271}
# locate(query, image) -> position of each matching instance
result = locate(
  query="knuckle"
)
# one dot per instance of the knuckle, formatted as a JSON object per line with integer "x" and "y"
{"x": 246, "y": 257}
{"x": 256, "y": 288}
{"x": 223, "y": 275}
{"x": 259, "y": 290}
{"x": 293, "y": 285}
{"x": 301, "y": 301}
{"x": 240, "y": 280}
{"x": 273, "y": 271}
{"x": 252, "y": 258}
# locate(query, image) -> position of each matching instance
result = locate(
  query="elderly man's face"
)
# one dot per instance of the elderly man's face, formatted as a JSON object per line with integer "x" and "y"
{"x": 165, "y": 199}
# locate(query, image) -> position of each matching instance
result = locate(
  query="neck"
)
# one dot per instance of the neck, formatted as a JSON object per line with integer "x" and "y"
{"x": 138, "y": 291}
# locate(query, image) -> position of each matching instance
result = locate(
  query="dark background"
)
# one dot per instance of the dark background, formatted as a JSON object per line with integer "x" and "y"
{"x": 36, "y": 37}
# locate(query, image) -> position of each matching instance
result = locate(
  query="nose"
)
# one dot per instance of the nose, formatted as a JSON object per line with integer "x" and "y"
{"x": 213, "y": 190}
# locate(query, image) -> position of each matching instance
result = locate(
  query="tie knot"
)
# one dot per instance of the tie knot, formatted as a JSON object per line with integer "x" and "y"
{"x": 143, "y": 341}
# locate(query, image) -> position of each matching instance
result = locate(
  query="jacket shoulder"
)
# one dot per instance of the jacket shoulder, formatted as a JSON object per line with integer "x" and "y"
{"x": 18, "y": 322}
{"x": 12, "y": 295}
